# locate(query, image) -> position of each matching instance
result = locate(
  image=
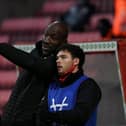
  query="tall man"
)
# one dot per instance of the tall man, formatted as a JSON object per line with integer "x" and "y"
{"x": 72, "y": 99}
{"x": 39, "y": 67}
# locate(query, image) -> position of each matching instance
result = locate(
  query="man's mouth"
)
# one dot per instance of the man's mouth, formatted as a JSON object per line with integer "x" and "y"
{"x": 45, "y": 48}
{"x": 59, "y": 67}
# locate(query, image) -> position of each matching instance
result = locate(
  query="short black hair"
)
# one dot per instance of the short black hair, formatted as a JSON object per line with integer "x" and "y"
{"x": 75, "y": 51}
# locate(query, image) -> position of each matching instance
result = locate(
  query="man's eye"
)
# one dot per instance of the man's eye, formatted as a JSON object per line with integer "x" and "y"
{"x": 63, "y": 57}
{"x": 57, "y": 58}
{"x": 54, "y": 37}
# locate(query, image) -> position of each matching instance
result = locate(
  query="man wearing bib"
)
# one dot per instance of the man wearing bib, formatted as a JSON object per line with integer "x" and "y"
{"x": 72, "y": 99}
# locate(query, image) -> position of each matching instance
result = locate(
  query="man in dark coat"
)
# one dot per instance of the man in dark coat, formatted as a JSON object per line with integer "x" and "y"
{"x": 38, "y": 69}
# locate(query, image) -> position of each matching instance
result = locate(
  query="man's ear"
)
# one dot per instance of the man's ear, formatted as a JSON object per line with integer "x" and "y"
{"x": 76, "y": 61}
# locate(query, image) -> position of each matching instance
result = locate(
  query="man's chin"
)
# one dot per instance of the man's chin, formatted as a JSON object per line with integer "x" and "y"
{"x": 48, "y": 51}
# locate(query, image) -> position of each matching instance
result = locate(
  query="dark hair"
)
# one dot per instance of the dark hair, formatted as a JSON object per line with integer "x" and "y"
{"x": 104, "y": 25}
{"x": 75, "y": 51}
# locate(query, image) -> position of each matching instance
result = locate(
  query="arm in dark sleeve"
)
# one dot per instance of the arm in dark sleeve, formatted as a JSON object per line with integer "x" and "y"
{"x": 88, "y": 98}
{"x": 43, "y": 67}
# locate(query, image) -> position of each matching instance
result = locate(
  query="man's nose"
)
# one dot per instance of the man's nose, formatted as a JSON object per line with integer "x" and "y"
{"x": 58, "y": 60}
{"x": 58, "y": 63}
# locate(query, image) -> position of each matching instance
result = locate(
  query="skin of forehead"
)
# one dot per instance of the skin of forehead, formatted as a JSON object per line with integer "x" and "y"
{"x": 56, "y": 27}
{"x": 65, "y": 52}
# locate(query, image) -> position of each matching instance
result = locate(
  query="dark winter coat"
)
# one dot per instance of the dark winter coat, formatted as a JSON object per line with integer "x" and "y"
{"x": 30, "y": 85}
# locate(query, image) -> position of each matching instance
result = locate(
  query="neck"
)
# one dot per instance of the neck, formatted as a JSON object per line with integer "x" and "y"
{"x": 63, "y": 77}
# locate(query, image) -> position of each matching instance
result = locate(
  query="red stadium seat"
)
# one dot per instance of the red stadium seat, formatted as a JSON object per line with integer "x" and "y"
{"x": 4, "y": 38}
{"x": 7, "y": 78}
{"x": 83, "y": 37}
{"x": 25, "y": 24}
{"x": 4, "y": 96}
{"x": 6, "y": 64}
{"x": 55, "y": 7}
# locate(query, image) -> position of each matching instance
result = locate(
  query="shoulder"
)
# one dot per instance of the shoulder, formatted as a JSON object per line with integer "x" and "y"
{"x": 90, "y": 90}
{"x": 91, "y": 85}
{"x": 90, "y": 81}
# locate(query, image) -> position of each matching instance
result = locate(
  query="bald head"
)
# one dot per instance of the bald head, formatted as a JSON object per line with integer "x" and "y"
{"x": 58, "y": 28}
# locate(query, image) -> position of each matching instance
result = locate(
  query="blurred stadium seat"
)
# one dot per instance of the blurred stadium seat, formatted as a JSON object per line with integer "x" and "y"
{"x": 83, "y": 37}
{"x": 25, "y": 24}
{"x": 55, "y": 8}
{"x": 6, "y": 64}
{"x": 4, "y": 38}
{"x": 4, "y": 97}
{"x": 7, "y": 78}
{"x": 24, "y": 29}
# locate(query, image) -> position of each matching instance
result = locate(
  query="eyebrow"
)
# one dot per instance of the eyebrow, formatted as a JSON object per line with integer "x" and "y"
{"x": 62, "y": 55}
